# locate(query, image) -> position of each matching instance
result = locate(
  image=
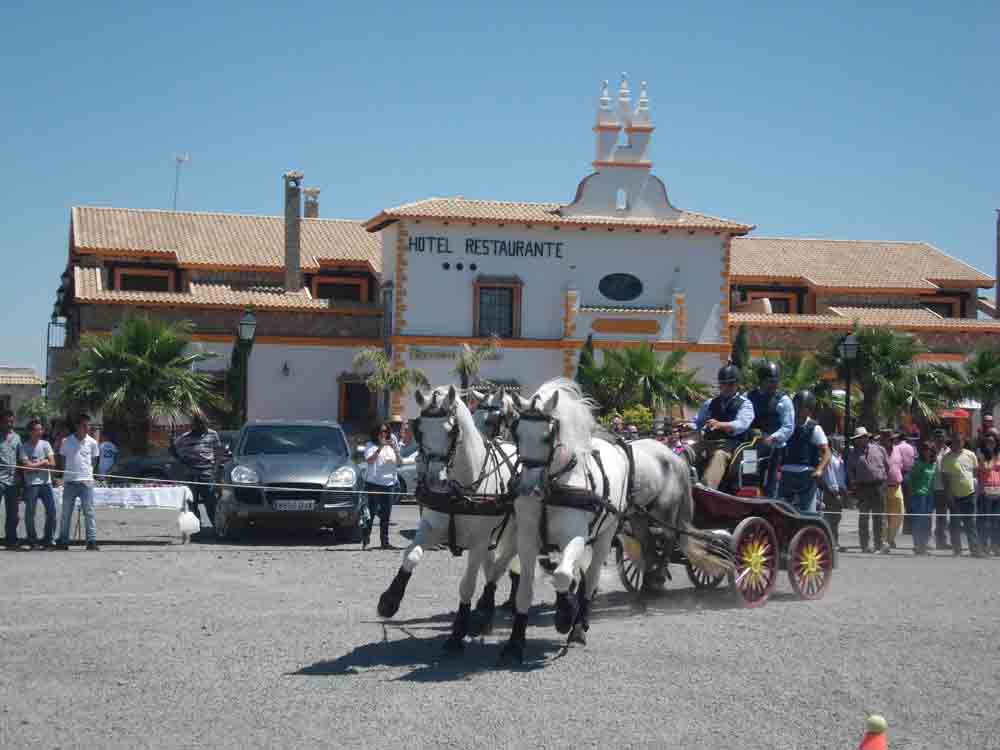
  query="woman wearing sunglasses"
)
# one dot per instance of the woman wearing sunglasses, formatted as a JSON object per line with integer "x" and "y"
{"x": 381, "y": 482}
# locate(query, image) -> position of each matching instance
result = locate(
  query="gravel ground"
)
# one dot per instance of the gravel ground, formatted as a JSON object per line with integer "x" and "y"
{"x": 275, "y": 643}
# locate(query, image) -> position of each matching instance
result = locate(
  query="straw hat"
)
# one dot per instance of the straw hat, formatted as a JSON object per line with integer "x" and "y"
{"x": 396, "y": 419}
{"x": 860, "y": 433}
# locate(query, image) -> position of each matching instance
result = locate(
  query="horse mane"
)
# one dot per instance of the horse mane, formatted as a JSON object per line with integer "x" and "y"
{"x": 575, "y": 412}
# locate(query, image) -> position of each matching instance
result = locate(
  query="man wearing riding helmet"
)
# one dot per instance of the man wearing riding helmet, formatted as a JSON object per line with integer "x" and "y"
{"x": 805, "y": 456}
{"x": 774, "y": 416}
{"x": 725, "y": 419}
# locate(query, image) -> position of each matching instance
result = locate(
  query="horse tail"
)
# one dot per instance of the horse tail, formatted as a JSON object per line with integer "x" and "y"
{"x": 700, "y": 554}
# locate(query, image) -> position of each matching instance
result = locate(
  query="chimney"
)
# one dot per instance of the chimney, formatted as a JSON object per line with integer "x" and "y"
{"x": 293, "y": 226}
{"x": 312, "y": 202}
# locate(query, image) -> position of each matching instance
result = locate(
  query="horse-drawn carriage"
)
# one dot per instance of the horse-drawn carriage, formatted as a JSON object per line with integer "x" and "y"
{"x": 762, "y": 535}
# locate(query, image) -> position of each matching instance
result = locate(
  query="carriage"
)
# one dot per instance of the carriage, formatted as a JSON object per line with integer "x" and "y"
{"x": 763, "y": 536}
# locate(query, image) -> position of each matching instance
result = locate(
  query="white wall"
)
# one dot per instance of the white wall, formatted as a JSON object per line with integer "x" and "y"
{"x": 309, "y": 391}
{"x": 440, "y": 302}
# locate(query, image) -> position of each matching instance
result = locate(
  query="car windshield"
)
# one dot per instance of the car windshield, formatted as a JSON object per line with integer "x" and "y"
{"x": 276, "y": 440}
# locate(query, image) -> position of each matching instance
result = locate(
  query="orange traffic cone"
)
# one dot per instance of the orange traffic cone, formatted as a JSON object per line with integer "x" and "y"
{"x": 876, "y": 736}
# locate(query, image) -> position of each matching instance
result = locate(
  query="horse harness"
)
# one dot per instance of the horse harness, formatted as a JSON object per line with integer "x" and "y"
{"x": 586, "y": 499}
{"x": 458, "y": 498}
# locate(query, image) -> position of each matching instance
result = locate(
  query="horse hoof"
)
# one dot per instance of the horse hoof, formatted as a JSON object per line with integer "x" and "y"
{"x": 388, "y": 605}
{"x": 483, "y": 625}
{"x": 566, "y": 611}
{"x": 512, "y": 653}
{"x": 579, "y": 635}
{"x": 454, "y": 646}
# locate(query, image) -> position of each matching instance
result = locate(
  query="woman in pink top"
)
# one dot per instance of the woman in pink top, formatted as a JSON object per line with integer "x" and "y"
{"x": 989, "y": 495}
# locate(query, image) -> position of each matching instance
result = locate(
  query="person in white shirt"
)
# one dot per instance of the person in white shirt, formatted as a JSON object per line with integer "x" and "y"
{"x": 80, "y": 454}
{"x": 109, "y": 453}
{"x": 381, "y": 481}
{"x": 834, "y": 483}
{"x": 36, "y": 458}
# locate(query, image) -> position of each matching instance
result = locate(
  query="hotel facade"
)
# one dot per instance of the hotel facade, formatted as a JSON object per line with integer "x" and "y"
{"x": 619, "y": 263}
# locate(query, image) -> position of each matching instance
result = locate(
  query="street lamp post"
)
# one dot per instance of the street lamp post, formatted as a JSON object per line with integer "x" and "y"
{"x": 246, "y": 331}
{"x": 848, "y": 349}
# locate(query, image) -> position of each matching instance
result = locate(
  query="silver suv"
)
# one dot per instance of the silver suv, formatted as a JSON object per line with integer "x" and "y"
{"x": 290, "y": 474}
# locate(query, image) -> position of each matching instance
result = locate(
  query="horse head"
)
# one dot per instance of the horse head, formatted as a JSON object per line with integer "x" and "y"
{"x": 437, "y": 432}
{"x": 494, "y": 413}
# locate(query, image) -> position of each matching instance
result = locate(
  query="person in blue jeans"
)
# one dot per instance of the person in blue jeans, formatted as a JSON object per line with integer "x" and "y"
{"x": 806, "y": 455}
{"x": 80, "y": 454}
{"x": 10, "y": 447}
{"x": 36, "y": 458}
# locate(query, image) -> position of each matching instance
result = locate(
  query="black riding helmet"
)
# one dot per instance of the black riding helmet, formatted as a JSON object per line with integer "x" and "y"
{"x": 729, "y": 374}
{"x": 768, "y": 371}
{"x": 804, "y": 401}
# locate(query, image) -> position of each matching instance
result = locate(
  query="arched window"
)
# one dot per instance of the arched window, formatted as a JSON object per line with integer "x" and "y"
{"x": 621, "y": 200}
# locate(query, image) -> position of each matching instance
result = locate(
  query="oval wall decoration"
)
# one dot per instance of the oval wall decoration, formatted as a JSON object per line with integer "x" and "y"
{"x": 620, "y": 287}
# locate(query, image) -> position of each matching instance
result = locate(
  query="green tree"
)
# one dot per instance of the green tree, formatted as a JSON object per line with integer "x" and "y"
{"x": 470, "y": 360}
{"x": 636, "y": 375}
{"x": 918, "y": 392}
{"x": 143, "y": 372}
{"x": 385, "y": 377}
{"x": 882, "y": 359}
{"x": 38, "y": 407}
{"x": 740, "y": 355}
{"x": 978, "y": 378}
{"x": 585, "y": 365}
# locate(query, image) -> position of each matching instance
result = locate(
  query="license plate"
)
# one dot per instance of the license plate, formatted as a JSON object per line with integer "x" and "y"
{"x": 293, "y": 504}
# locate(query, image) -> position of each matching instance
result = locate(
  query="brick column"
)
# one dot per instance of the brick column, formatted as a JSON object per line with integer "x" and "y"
{"x": 396, "y": 399}
{"x": 680, "y": 317}
{"x": 402, "y": 264}
{"x": 724, "y": 307}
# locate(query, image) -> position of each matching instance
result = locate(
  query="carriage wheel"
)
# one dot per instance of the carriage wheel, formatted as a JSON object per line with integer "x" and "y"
{"x": 810, "y": 562}
{"x": 755, "y": 547}
{"x": 628, "y": 560}
{"x": 701, "y": 579}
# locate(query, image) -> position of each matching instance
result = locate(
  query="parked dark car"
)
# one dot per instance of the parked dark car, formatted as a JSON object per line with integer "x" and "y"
{"x": 290, "y": 473}
{"x": 165, "y": 466}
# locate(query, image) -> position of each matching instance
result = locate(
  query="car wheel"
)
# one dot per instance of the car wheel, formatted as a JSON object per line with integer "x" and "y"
{"x": 224, "y": 523}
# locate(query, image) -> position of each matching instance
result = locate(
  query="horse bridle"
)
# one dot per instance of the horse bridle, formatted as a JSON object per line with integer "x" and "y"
{"x": 495, "y": 419}
{"x": 554, "y": 444}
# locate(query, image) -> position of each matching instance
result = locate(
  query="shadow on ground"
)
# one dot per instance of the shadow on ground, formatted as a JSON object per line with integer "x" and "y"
{"x": 426, "y": 659}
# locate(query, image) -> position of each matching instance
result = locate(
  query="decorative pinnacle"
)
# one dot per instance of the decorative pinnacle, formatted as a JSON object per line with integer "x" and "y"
{"x": 605, "y": 96}
{"x": 623, "y": 91}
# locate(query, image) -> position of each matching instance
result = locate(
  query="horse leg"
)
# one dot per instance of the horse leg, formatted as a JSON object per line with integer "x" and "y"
{"x": 498, "y": 561}
{"x": 528, "y": 513}
{"x": 576, "y": 558}
{"x": 588, "y": 587}
{"x": 392, "y": 597}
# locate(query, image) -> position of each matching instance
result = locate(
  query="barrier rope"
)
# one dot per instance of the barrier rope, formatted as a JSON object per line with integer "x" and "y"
{"x": 271, "y": 488}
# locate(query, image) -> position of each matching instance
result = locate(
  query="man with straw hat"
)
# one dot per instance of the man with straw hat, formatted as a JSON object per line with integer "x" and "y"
{"x": 867, "y": 472}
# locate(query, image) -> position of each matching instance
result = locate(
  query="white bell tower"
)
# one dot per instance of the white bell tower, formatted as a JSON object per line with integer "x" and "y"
{"x": 622, "y": 183}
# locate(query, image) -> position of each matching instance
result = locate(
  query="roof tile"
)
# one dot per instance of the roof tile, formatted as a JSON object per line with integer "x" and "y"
{"x": 19, "y": 376}
{"x": 539, "y": 213}
{"x": 849, "y": 263}
{"x": 222, "y": 240}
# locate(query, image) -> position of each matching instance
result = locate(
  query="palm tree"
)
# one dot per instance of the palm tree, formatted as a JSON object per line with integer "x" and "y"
{"x": 637, "y": 375}
{"x": 882, "y": 358}
{"x": 384, "y": 376}
{"x": 141, "y": 373}
{"x": 978, "y": 378}
{"x": 918, "y": 392}
{"x": 585, "y": 364}
{"x": 469, "y": 361}
{"x": 740, "y": 354}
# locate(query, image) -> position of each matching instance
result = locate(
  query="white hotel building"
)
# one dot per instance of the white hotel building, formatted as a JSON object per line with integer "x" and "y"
{"x": 618, "y": 262}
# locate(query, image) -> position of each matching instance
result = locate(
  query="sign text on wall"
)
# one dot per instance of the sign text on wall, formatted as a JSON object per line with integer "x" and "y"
{"x": 482, "y": 247}
{"x": 420, "y": 352}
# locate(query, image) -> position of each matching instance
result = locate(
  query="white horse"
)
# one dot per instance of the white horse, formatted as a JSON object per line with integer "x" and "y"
{"x": 457, "y": 462}
{"x": 572, "y": 493}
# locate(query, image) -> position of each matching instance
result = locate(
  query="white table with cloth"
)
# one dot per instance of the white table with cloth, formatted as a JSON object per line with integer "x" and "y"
{"x": 171, "y": 497}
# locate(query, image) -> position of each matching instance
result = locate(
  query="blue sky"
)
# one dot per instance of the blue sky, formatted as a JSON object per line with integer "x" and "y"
{"x": 832, "y": 120}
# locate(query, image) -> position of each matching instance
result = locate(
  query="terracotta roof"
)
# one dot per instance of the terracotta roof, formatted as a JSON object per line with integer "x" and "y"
{"x": 19, "y": 376}
{"x": 89, "y": 288}
{"x": 499, "y": 212}
{"x": 849, "y": 264}
{"x": 904, "y": 318}
{"x": 624, "y": 309}
{"x": 220, "y": 240}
